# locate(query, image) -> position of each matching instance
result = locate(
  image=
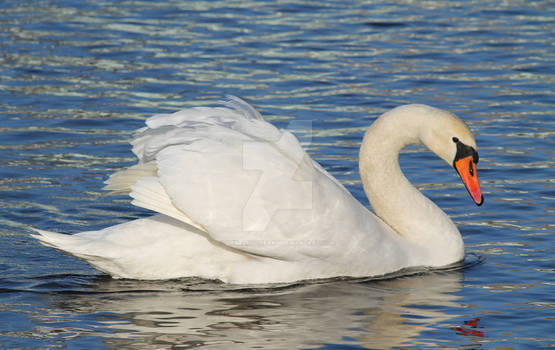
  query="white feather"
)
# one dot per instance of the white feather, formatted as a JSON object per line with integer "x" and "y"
{"x": 148, "y": 193}
{"x": 121, "y": 181}
{"x": 240, "y": 200}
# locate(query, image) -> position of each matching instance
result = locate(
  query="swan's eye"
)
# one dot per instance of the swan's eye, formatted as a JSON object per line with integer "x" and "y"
{"x": 455, "y": 139}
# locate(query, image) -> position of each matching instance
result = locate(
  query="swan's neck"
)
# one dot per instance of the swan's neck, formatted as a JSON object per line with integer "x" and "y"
{"x": 412, "y": 215}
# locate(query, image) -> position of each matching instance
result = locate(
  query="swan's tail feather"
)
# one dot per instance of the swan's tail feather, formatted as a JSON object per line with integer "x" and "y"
{"x": 58, "y": 241}
{"x": 73, "y": 245}
{"x": 69, "y": 244}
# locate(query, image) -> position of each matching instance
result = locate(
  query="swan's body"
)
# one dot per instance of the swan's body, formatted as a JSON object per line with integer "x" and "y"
{"x": 240, "y": 201}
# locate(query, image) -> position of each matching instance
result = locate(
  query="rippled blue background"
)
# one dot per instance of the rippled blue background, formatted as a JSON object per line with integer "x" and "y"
{"x": 77, "y": 77}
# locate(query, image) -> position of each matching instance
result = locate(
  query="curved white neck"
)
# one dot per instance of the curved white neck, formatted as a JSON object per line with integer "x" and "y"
{"x": 413, "y": 216}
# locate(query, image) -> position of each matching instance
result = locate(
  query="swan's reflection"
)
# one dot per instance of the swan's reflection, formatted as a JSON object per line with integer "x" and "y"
{"x": 378, "y": 314}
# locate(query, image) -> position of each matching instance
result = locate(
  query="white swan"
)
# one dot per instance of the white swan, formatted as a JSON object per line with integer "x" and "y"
{"x": 240, "y": 201}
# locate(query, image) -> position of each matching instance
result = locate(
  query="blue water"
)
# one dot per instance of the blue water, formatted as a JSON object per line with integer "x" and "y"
{"x": 77, "y": 77}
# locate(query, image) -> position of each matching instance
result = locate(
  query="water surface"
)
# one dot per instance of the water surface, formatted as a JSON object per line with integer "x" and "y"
{"x": 77, "y": 77}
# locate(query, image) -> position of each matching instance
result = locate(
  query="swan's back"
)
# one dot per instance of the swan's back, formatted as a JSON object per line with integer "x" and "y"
{"x": 259, "y": 208}
{"x": 242, "y": 181}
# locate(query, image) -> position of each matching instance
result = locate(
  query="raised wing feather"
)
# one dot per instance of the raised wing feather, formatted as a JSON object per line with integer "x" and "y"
{"x": 247, "y": 184}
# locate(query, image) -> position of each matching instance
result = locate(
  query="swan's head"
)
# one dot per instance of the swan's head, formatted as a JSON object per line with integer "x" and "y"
{"x": 449, "y": 137}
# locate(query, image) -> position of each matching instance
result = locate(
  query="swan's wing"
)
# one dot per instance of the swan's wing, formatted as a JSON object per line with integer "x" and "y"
{"x": 187, "y": 126}
{"x": 247, "y": 184}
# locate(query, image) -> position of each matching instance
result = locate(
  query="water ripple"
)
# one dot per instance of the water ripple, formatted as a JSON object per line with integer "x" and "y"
{"x": 76, "y": 78}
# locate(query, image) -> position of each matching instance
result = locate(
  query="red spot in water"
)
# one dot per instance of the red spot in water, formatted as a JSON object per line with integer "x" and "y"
{"x": 469, "y": 332}
{"x": 472, "y": 323}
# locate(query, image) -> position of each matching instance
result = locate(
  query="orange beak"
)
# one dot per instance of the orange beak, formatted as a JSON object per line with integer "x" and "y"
{"x": 467, "y": 171}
